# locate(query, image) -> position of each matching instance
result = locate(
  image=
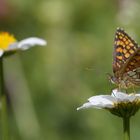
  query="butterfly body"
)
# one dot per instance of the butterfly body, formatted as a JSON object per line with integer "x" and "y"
{"x": 126, "y": 61}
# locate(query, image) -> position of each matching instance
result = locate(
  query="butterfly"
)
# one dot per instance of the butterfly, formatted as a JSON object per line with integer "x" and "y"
{"x": 126, "y": 61}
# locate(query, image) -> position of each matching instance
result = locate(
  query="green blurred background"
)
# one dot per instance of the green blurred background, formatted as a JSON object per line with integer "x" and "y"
{"x": 45, "y": 85}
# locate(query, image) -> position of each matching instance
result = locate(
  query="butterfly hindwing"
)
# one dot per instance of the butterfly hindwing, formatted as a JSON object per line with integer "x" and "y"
{"x": 133, "y": 68}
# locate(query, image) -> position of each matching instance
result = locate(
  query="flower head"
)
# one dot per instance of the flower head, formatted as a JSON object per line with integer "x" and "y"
{"x": 5, "y": 40}
{"x": 9, "y": 44}
{"x": 118, "y": 103}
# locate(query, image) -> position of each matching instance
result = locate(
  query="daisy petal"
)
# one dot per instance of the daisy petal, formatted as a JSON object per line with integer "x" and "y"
{"x": 101, "y": 101}
{"x": 84, "y": 106}
{"x": 30, "y": 42}
{"x": 120, "y": 96}
{"x": 105, "y": 99}
{"x": 137, "y": 95}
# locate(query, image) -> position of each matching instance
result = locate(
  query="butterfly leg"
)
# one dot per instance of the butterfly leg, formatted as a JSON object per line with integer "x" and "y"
{"x": 118, "y": 88}
{"x": 133, "y": 89}
{"x": 126, "y": 90}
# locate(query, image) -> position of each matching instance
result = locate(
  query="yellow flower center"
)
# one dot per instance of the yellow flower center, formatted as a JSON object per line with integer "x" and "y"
{"x": 6, "y": 39}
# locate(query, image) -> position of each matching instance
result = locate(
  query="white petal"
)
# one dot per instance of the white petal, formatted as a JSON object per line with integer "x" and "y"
{"x": 132, "y": 97}
{"x": 121, "y": 96}
{"x": 101, "y": 101}
{"x": 105, "y": 99}
{"x": 30, "y": 42}
{"x": 1, "y": 52}
{"x": 84, "y": 106}
{"x": 138, "y": 95}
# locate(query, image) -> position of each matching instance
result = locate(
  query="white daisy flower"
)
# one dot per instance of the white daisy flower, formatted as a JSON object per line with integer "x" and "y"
{"x": 118, "y": 103}
{"x": 9, "y": 45}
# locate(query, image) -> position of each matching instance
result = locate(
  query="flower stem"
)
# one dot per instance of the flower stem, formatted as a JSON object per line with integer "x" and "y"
{"x": 4, "y": 117}
{"x": 126, "y": 128}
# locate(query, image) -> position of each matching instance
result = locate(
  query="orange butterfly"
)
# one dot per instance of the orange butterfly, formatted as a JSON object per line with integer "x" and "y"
{"x": 126, "y": 61}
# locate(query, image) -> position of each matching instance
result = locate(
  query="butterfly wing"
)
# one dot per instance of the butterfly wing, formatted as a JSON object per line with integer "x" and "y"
{"x": 124, "y": 48}
{"x": 132, "y": 68}
{"x": 133, "y": 62}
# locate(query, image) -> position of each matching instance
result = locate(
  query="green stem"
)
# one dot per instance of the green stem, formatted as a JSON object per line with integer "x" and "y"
{"x": 4, "y": 117}
{"x": 126, "y": 128}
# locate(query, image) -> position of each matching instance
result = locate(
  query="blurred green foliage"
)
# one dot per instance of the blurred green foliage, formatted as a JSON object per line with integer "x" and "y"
{"x": 45, "y": 85}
